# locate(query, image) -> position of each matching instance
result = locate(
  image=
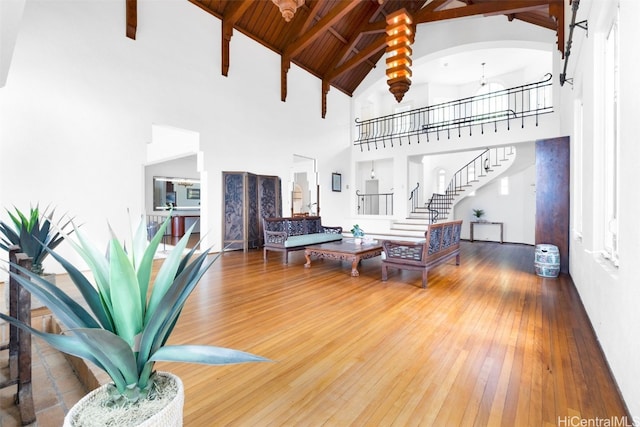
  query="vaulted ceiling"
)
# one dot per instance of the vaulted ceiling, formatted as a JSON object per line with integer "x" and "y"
{"x": 340, "y": 41}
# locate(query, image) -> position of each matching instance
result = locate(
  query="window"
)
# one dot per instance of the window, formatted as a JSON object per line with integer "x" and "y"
{"x": 611, "y": 143}
{"x": 504, "y": 186}
{"x": 577, "y": 168}
{"x": 442, "y": 183}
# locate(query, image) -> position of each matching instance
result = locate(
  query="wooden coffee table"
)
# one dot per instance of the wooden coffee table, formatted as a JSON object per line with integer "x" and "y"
{"x": 344, "y": 250}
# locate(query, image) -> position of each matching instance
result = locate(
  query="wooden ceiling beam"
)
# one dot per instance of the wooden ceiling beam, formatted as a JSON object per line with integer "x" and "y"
{"x": 308, "y": 33}
{"x": 359, "y": 58}
{"x": 300, "y": 27}
{"x": 350, "y": 46}
{"x": 344, "y": 53}
{"x": 318, "y": 29}
{"x": 132, "y": 18}
{"x": 487, "y": 8}
{"x": 232, "y": 13}
{"x": 556, "y": 11}
{"x": 325, "y": 91}
{"x": 363, "y": 55}
{"x": 530, "y": 18}
{"x": 436, "y": 5}
{"x": 311, "y": 17}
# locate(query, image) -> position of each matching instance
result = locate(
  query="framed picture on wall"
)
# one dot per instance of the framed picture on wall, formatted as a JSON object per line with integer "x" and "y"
{"x": 336, "y": 182}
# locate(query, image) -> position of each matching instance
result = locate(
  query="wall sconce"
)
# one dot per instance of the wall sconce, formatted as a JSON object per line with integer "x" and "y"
{"x": 373, "y": 173}
{"x": 400, "y": 36}
{"x": 288, "y": 7}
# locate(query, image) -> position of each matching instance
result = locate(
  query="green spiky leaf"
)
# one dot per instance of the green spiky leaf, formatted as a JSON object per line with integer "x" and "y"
{"x": 124, "y": 323}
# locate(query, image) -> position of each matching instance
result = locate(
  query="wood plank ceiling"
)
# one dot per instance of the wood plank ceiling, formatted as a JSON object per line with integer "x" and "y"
{"x": 341, "y": 41}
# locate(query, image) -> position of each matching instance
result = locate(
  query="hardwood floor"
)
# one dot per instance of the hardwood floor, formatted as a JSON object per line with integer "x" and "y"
{"x": 488, "y": 343}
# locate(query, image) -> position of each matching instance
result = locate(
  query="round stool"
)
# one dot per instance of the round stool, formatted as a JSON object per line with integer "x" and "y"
{"x": 547, "y": 262}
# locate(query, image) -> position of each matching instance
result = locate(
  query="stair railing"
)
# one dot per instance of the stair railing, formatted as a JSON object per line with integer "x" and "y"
{"x": 413, "y": 198}
{"x": 464, "y": 178}
{"x": 375, "y": 203}
{"x": 532, "y": 99}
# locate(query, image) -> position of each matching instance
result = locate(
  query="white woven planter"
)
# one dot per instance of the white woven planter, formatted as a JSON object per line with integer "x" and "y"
{"x": 170, "y": 416}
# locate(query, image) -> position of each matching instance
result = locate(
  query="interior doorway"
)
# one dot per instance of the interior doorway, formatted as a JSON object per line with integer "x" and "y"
{"x": 174, "y": 162}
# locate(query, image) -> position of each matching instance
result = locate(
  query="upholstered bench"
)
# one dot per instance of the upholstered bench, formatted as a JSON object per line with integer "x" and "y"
{"x": 296, "y": 233}
{"x": 442, "y": 243}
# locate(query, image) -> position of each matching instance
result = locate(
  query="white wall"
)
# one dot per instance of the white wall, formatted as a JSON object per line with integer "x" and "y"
{"x": 81, "y": 98}
{"x": 516, "y": 210}
{"x": 610, "y": 295}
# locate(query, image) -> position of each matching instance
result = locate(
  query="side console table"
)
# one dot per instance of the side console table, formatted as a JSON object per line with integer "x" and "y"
{"x": 473, "y": 223}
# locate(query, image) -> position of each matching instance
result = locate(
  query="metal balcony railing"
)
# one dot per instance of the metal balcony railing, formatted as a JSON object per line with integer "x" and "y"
{"x": 375, "y": 203}
{"x": 511, "y": 105}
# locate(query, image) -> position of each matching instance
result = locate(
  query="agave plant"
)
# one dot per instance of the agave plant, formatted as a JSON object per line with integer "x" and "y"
{"x": 125, "y": 328}
{"x": 33, "y": 233}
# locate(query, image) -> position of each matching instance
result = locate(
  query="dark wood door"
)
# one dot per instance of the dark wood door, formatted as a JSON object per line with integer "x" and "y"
{"x": 552, "y": 195}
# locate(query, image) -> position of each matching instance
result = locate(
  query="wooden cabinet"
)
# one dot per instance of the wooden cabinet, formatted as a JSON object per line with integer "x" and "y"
{"x": 247, "y": 199}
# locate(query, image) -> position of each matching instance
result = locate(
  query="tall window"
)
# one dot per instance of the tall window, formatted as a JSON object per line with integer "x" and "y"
{"x": 577, "y": 168}
{"x": 504, "y": 186}
{"x": 611, "y": 143}
{"x": 442, "y": 183}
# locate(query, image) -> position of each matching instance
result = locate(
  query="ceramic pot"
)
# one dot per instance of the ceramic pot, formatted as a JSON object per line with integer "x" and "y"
{"x": 169, "y": 416}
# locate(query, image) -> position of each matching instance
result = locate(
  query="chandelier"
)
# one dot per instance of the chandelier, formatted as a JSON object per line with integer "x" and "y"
{"x": 400, "y": 36}
{"x": 288, "y": 7}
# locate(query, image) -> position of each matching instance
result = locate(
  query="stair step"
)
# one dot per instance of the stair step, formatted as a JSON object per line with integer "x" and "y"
{"x": 453, "y": 195}
{"x": 398, "y": 235}
{"x": 412, "y": 221}
{"x": 408, "y": 227}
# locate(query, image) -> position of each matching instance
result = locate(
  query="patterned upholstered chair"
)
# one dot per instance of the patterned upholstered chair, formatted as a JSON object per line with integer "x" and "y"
{"x": 442, "y": 242}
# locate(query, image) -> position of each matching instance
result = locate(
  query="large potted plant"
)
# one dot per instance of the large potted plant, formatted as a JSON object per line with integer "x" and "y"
{"x": 126, "y": 323}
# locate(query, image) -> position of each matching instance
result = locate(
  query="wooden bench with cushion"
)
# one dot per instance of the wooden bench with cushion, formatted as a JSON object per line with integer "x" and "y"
{"x": 296, "y": 233}
{"x": 442, "y": 242}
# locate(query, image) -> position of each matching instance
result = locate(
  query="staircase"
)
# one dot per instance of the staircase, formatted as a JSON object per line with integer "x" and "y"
{"x": 478, "y": 172}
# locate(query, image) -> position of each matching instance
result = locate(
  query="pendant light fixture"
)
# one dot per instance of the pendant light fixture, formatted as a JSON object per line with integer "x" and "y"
{"x": 288, "y": 7}
{"x": 400, "y": 36}
{"x": 483, "y": 80}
